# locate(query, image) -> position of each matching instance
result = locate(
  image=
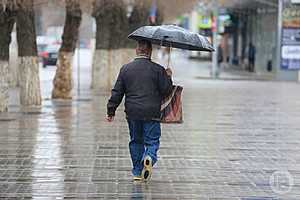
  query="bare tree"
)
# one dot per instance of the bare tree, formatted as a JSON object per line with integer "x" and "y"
{"x": 114, "y": 21}
{"x": 7, "y": 20}
{"x": 139, "y": 15}
{"x": 174, "y": 8}
{"x": 63, "y": 78}
{"x": 168, "y": 10}
{"x": 111, "y": 21}
{"x": 30, "y": 93}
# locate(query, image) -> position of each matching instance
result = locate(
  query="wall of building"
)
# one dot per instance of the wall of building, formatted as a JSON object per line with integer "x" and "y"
{"x": 264, "y": 37}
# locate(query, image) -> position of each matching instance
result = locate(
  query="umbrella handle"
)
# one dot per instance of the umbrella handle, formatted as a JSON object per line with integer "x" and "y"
{"x": 169, "y": 58}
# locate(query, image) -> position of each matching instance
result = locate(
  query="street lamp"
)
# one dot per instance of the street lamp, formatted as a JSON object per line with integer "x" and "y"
{"x": 215, "y": 67}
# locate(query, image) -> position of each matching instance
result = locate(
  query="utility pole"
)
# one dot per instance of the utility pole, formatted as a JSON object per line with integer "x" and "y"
{"x": 215, "y": 67}
{"x": 78, "y": 65}
{"x": 278, "y": 49}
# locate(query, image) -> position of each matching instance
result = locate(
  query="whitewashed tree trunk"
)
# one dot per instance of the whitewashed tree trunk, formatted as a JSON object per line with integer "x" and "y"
{"x": 106, "y": 66}
{"x": 7, "y": 20}
{"x": 100, "y": 59}
{"x": 4, "y": 76}
{"x": 63, "y": 82}
{"x": 14, "y": 75}
{"x": 112, "y": 26}
{"x": 30, "y": 92}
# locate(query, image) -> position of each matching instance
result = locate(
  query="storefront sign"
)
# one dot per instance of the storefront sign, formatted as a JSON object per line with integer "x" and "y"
{"x": 205, "y": 22}
{"x": 290, "y": 39}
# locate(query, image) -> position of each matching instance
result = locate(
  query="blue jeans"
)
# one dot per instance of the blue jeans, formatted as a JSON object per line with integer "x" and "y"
{"x": 144, "y": 141}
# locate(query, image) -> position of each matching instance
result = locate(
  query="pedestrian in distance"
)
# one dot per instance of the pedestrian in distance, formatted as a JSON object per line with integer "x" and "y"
{"x": 220, "y": 56}
{"x": 251, "y": 57}
{"x": 144, "y": 85}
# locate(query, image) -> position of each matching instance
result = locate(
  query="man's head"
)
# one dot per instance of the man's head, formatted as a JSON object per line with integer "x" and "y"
{"x": 144, "y": 48}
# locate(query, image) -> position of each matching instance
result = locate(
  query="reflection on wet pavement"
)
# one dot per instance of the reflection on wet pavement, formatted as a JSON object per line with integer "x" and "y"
{"x": 235, "y": 136}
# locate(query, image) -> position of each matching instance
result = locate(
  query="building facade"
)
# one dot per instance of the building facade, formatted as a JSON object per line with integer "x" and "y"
{"x": 263, "y": 24}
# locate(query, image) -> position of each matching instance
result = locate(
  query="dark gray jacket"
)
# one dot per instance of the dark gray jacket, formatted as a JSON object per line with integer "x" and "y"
{"x": 144, "y": 84}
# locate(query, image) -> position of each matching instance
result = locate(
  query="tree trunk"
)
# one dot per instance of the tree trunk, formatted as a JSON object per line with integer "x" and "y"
{"x": 107, "y": 64}
{"x": 7, "y": 21}
{"x": 4, "y": 86}
{"x": 63, "y": 81}
{"x": 112, "y": 29}
{"x": 30, "y": 92}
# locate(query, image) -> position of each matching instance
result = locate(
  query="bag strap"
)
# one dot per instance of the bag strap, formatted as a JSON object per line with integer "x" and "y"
{"x": 168, "y": 99}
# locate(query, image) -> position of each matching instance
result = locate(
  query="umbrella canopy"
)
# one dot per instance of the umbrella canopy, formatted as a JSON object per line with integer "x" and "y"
{"x": 172, "y": 36}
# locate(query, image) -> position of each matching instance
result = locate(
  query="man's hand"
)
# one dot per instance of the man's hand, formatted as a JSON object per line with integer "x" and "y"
{"x": 110, "y": 118}
{"x": 169, "y": 71}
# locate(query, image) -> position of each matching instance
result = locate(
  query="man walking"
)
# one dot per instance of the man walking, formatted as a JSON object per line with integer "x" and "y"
{"x": 144, "y": 84}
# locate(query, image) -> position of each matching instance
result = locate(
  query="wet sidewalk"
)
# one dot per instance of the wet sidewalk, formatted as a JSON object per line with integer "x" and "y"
{"x": 239, "y": 141}
{"x": 201, "y": 69}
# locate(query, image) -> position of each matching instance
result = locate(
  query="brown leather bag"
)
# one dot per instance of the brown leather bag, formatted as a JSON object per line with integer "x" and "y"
{"x": 171, "y": 108}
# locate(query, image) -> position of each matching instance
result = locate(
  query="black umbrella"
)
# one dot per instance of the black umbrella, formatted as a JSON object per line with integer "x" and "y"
{"x": 172, "y": 36}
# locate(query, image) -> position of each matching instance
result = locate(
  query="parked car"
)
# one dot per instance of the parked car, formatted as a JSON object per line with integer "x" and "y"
{"x": 42, "y": 42}
{"x": 41, "y": 49}
{"x": 50, "y": 55}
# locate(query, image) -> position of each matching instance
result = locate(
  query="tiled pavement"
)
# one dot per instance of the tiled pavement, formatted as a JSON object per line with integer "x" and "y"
{"x": 236, "y": 134}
